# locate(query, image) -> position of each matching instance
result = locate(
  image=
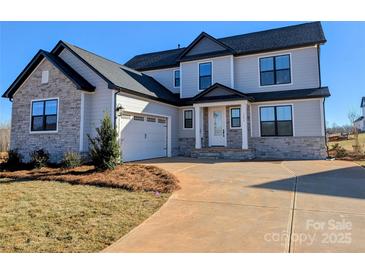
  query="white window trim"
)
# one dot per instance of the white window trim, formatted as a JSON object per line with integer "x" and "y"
{"x": 183, "y": 119}
{"x": 275, "y": 105}
{"x": 30, "y": 116}
{"x": 274, "y": 55}
{"x": 204, "y": 62}
{"x": 173, "y": 78}
{"x": 230, "y": 120}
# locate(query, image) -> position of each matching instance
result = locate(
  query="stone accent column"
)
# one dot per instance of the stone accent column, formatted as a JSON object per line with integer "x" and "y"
{"x": 198, "y": 143}
{"x": 244, "y": 125}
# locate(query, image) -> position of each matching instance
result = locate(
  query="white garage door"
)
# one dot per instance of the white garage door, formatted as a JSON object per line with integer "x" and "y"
{"x": 143, "y": 137}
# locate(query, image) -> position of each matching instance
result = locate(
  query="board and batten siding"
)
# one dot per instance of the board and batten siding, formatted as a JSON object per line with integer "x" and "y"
{"x": 138, "y": 105}
{"x": 221, "y": 73}
{"x": 307, "y": 117}
{"x": 95, "y": 103}
{"x": 304, "y": 71}
{"x": 165, "y": 77}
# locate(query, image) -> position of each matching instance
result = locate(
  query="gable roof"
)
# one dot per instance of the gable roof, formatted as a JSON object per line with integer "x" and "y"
{"x": 203, "y": 35}
{"x": 231, "y": 94}
{"x": 69, "y": 72}
{"x": 301, "y": 35}
{"x": 120, "y": 77}
{"x": 362, "y": 102}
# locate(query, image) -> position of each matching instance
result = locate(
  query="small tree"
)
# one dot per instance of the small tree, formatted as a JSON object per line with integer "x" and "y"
{"x": 352, "y": 116}
{"x": 104, "y": 148}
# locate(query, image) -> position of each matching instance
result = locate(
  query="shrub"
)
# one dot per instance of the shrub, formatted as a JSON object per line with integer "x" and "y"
{"x": 104, "y": 148}
{"x": 340, "y": 152}
{"x": 39, "y": 158}
{"x": 14, "y": 160}
{"x": 71, "y": 159}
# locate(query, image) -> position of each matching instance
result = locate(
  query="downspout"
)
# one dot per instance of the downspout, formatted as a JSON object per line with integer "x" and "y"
{"x": 115, "y": 109}
{"x": 325, "y": 127}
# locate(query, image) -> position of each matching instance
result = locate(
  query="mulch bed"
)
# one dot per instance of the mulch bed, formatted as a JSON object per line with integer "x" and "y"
{"x": 133, "y": 177}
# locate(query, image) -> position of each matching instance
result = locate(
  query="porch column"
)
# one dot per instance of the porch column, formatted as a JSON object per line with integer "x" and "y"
{"x": 244, "y": 125}
{"x": 198, "y": 143}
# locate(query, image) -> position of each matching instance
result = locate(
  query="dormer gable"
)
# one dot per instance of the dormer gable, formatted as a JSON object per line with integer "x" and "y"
{"x": 204, "y": 45}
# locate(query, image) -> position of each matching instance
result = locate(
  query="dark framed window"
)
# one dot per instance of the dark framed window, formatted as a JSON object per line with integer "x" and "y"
{"x": 276, "y": 121}
{"x": 235, "y": 117}
{"x": 177, "y": 78}
{"x": 275, "y": 70}
{"x": 188, "y": 118}
{"x": 205, "y": 75}
{"x": 44, "y": 115}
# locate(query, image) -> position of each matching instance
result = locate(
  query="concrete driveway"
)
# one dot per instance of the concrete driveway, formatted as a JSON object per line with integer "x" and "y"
{"x": 290, "y": 206}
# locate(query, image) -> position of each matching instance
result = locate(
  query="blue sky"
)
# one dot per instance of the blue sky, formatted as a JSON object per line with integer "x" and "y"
{"x": 342, "y": 58}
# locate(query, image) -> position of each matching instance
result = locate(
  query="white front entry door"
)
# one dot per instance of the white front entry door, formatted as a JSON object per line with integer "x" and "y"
{"x": 143, "y": 137}
{"x": 217, "y": 126}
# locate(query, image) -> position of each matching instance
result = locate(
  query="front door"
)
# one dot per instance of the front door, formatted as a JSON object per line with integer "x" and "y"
{"x": 217, "y": 126}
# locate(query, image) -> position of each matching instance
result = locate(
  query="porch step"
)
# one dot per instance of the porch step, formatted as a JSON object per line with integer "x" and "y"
{"x": 223, "y": 153}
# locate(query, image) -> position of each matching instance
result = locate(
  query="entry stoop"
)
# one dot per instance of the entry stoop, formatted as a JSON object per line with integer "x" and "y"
{"x": 223, "y": 153}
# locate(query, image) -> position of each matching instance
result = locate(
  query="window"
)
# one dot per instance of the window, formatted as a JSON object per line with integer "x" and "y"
{"x": 235, "y": 117}
{"x": 44, "y": 115}
{"x": 177, "y": 78}
{"x": 275, "y": 70}
{"x": 276, "y": 121}
{"x": 138, "y": 118}
{"x": 205, "y": 75}
{"x": 188, "y": 118}
{"x": 151, "y": 119}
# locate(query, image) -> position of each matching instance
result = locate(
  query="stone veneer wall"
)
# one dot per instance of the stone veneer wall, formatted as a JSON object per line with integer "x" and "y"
{"x": 67, "y": 137}
{"x": 289, "y": 147}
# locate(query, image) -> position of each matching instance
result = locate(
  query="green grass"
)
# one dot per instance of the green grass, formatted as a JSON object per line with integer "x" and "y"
{"x": 43, "y": 216}
{"x": 347, "y": 144}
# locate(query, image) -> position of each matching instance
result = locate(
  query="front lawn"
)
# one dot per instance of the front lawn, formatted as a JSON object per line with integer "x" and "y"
{"x": 49, "y": 216}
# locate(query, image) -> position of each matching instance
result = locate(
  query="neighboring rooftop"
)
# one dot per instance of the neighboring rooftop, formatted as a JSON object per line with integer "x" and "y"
{"x": 275, "y": 39}
{"x": 362, "y": 102}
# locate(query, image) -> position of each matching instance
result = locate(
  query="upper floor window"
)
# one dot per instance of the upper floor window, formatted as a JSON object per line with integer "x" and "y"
{"x": 275, "y": 70}
{"x": 177, "y": 78}
{"x": 44, "y": 115}
{"x": 188, "y": 118}
{"x": 235, "y": 117}
{"x": 276, "y": 121}
{"x": 205, "y": 75}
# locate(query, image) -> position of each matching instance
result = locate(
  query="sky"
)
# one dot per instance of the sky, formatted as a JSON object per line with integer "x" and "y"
{"x": 342, "y": 57}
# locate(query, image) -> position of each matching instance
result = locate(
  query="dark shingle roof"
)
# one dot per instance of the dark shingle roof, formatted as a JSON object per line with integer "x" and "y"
{"x": 119, "y": 76}
{"x": 74, "y": 76}
{"x": 262, "y": 41}
{"x": 362, "y": 102}
{"x": 359, "y": 119}
{"x": 291, "y": 94}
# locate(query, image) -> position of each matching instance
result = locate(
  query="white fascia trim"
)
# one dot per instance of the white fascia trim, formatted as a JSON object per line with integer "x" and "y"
{"x": 30, "y": 115}
{"x": 216, "y": 104}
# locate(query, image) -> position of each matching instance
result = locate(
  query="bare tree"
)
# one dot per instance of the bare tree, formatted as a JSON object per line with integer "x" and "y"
{"x": 4, "y": 136}
{"x": 353, "y": 116}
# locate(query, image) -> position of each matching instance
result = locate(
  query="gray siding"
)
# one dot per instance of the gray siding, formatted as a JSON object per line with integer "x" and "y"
{"x": 304, "y": 65}
{"x": 306, "y": 116}
{"x": 138, "y": 105}
{"x": 96, "y": 103}
{"x": 205, "y": 45}
{"x": 165, "y": 77}
{"x": 221, "y": 70}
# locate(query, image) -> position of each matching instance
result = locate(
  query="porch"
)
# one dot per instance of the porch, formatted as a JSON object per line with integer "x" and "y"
{"x": 221, "y": 130}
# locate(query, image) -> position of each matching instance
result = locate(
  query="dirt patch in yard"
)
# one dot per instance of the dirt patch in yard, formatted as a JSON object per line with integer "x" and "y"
{"x": 133, "y": 177}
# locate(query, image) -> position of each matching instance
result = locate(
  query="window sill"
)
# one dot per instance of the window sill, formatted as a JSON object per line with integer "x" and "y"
{"x": 43, "y": 132}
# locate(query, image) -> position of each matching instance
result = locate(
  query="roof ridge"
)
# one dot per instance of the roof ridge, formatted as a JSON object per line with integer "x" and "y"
{"x": 268, "y": 30}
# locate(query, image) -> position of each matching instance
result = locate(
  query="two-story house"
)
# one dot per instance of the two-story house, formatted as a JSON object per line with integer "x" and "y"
{"x": 359, "y": 123}
{"x": 256, "y": 95}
